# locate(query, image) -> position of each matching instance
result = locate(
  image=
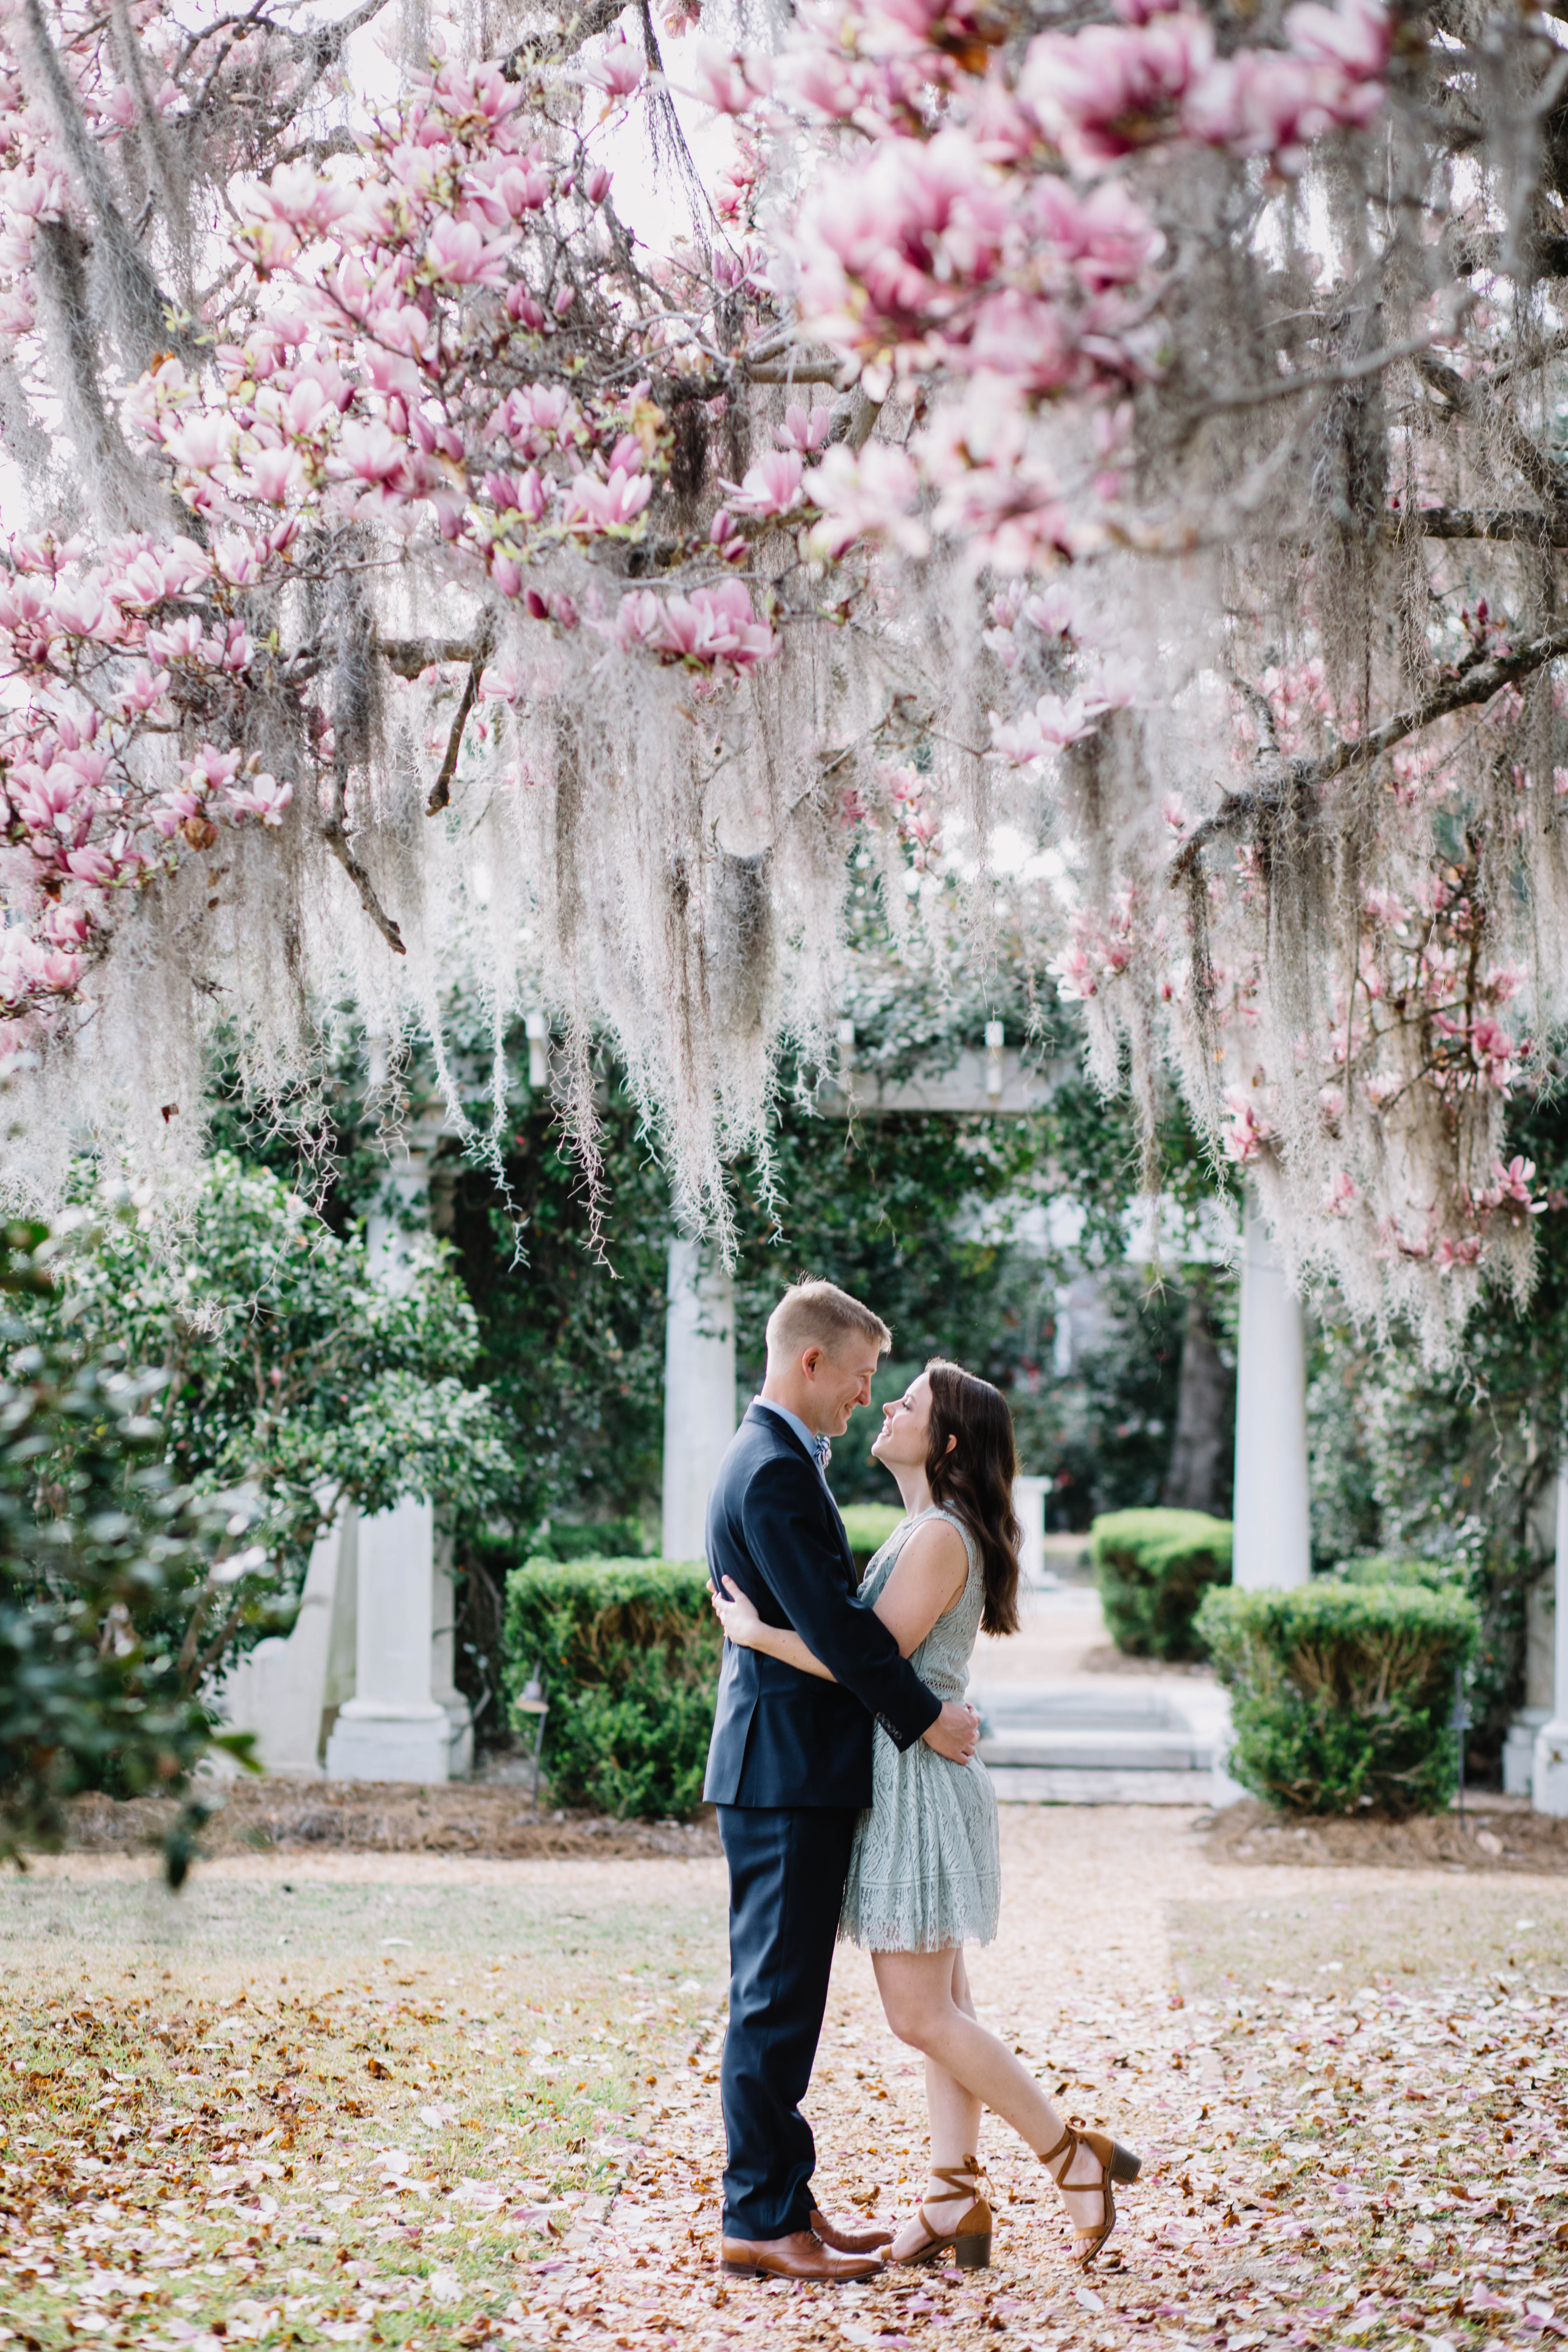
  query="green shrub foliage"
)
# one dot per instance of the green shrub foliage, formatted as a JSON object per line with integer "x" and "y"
{"x": 1341, "y": 1694}
{"x": 119, "y": 1589}
{"x": 1153, "y": 1569}
{"x": 628, "y": 1652}
{"x": 286, "y": 1368}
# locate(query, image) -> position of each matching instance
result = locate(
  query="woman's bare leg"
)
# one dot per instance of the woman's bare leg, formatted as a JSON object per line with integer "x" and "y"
{"x": 926, "y": 1998}
{"x": 954, "y": 2128}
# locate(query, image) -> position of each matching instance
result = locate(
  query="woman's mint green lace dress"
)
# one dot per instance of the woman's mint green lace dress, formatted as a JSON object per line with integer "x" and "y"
{"x": 926, "y": 1869}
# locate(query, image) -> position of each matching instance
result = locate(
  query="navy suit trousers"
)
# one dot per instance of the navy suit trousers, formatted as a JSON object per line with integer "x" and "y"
{"x": 787, "y": 1869}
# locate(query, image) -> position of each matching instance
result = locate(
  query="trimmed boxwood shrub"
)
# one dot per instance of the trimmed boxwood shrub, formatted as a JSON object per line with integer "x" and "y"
{"x": 628, "y": 1652}
{"x": 1153, "y": 1568}
{"x": 1341, "y": 1694}
{"x": 869, "y": 1525}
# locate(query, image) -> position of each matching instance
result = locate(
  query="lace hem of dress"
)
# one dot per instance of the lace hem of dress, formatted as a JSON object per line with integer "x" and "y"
{"x": 882, "y": 1933}
{"x": 895, "y": 1917}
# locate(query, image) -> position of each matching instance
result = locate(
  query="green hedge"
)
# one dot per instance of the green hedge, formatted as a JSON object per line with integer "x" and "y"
{"x": 596, "y": 1539}
{"x": 869, "y": 1525}
{"x": 1341, "y": 1694}
{"x": 1391, "y": 1568}
{"x": 629, "y": 1650}
{"x": 1153, "y": 1569}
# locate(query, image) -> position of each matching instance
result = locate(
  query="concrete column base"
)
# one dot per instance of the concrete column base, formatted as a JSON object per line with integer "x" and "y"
{"x": 460, "y": 1739}
{"x": 1549, "y": 1794}
{"x": 1519, "y": 1750}
{"x": 375, "y": 1740}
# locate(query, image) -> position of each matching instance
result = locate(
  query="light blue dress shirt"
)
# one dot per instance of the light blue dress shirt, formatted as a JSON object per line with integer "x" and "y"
{"x": 808, "y": 1437}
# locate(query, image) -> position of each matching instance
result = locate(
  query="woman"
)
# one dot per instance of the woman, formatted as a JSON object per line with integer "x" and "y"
{"x": 925, "y": 1873}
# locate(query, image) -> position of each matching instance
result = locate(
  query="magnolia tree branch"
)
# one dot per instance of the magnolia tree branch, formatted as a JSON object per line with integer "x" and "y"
{"x": 1459, "y": 693}
{"x": 1528, "y": 523}
{"x": 335, "y": 834}
{"x": 1476, "y": 400}
{"x": 409, "y": 656}
{"x": 1329, "y": 379}
{"x": 441, "y": 791}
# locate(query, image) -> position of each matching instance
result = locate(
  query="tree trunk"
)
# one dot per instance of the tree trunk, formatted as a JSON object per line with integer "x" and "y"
{"x": 1196, "y": 1479}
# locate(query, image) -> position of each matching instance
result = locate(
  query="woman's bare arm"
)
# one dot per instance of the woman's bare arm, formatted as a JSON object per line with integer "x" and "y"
{"x": 926, "y": 1579}
{"x": 782, "y": 1642}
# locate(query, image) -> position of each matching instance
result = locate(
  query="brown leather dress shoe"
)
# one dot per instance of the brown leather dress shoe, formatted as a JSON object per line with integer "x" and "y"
{"x": 801, "y": 2255}
{"x": 850, "y": 2238}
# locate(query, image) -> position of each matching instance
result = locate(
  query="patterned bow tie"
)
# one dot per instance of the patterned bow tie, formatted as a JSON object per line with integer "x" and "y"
{"x": 823, "y": 1451}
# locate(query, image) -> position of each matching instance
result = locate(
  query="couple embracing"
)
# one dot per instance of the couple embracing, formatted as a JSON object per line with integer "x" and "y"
{"x": 850, "y": 1801}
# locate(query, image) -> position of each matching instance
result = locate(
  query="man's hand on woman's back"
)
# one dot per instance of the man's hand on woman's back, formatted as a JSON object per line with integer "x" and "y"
{"x": 956, "y": 1734}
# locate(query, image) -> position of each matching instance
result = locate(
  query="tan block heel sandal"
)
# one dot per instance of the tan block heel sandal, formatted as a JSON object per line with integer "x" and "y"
{"x": 1116, "y": 2163}
{"x": 970, "y": 2236}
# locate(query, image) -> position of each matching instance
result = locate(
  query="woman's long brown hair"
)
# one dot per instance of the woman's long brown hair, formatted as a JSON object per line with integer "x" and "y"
{"x": 975, "y": 1479}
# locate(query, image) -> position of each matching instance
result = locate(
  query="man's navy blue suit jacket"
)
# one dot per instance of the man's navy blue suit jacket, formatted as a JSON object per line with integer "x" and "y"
{"x": 781, "y": 1737}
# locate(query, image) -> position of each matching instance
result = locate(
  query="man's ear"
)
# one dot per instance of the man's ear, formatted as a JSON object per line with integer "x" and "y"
{"x": 810, "y": 1360}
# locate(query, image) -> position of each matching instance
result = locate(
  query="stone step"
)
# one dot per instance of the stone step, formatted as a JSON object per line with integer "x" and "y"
{"x": 1023, "y": 1703}
{"x": 1115, "y": 1743}
{"x": 1117, "y": 1748}
{"x": 1025, "y": 1785}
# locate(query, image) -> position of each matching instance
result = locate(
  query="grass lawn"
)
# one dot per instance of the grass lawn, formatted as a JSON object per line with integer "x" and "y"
{"x": 407, "y": 2100}
{"x": 284, "y": 2105}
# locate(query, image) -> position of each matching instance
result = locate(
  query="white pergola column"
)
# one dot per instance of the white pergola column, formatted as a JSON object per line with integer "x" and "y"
{"x": 395, "y": 1727}
{"x": 391, "y": 1729}
{"x": 699, "y": 1393}
{"x": 1272, "y": 1526}
{"x": 279, "y": 1690}
{"x": 1550, "y": 1794}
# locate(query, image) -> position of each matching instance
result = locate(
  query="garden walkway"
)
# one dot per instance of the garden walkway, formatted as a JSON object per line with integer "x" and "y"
{"x": 408, "y": 2100}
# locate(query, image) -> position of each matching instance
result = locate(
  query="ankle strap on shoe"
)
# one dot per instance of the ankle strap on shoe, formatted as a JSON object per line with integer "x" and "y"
{"x": 958, "y": 2176}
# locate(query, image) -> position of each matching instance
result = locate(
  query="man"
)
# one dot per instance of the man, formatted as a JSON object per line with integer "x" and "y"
{"x": 790, "y": 1769}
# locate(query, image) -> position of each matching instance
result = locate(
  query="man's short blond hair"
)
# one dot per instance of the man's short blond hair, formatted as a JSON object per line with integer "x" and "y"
{"x": 818, "y": 1314}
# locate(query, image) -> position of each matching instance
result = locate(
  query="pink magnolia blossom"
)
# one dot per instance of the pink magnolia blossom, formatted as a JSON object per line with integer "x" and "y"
{"x": 637, "y": 621}
{"x": 459, "y": 254}
{"x": 370, "y": 452}
{"x": 1248, "y": 1132}
{"x": 1109, "y": 88}
{"x": 771, "y": 487}
{"x": 1054, "y": 721}
{"x": 594, "y": 505}
{"x": 728, "y": 82}
{"x": 296, "y": 194}
{"x": 263, "y": 797}
{"x": 865, "y": 494}
{"x": 713, "y": 628}
{"x": 617, "y": 70}
{"x": 202, "y": 444}
{"x": 805, "y": 429}
{"x": 274, "y": 476}
{"x": 1354, "y": 34}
